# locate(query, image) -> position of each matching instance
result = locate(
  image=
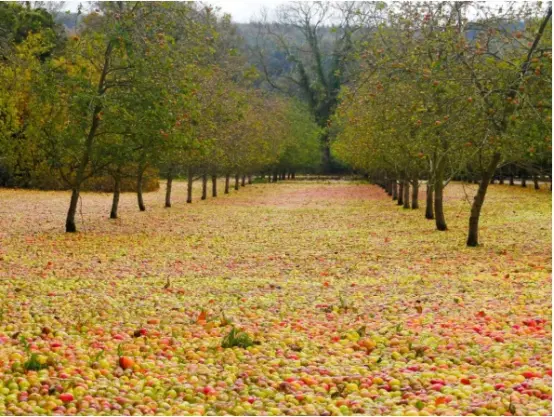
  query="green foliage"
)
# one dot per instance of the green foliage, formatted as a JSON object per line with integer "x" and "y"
{"x": 237, "y": 338}
{"x": 32, "y": 363}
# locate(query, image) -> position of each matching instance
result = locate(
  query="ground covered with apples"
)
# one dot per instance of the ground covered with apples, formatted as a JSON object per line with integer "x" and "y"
{"x": 317, "y": 298}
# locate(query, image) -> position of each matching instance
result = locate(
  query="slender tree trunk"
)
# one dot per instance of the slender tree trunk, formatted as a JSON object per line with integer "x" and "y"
{"x": 429, "y": 212}
{"x": 394, "y": 190}
{"x": 501, "y": 178}
{"x": 140, "y": 200}
{"x": 400, "y": 193}
{"x": 440, "y": 220}
{"x": 227, "y": 183}
{"x": 415, "y": 193}
{"x": 479, "y": 199}
{"x": 524, "y": 179}
{"x": 243, "y": 181}
{"x": 70, "y": 225}
{"x": 250, "y": 180}
{"x": 293, "y": 175}
{"x": 406, "y": 199}
{"x": 115, "y": 200}
{"x": 214, "y": 185}
{"x": 275, "y": 176}
{"x": 512, "y": 178}
{"x": 536, "y": 182}
{"x": 190, "y": 180}
{"x": 168, "y": 190}
{"x": 237, "y": 181}
{"x": 204, "y": 186}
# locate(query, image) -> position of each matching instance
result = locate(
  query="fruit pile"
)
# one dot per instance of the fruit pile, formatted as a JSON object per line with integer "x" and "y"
{"x": 303, "y": 310}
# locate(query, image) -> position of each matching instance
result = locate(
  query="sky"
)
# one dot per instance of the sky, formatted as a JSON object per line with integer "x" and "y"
{"x": 241, "y": 11}
{"x": 244, "y": 11}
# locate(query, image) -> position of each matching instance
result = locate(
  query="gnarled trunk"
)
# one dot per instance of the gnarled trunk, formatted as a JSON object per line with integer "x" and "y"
{"x": 227, "y": 177}
{"x": 115, "y": 200}
{"x": 479, "y": 199}
{"x": 440, "y": 220}
{"x": 140, "y": 200}
{"x": 214, "y": 185}
{"x": 429, "y": 212}
{"x": 70, "y": 225}
{"x": 415, "y": 193}
{"x": 400, "y": 193}
{"x": 190, "y": 180}
{"x": 536, "y": 182}
{"x": 204, "y": 186}
{"x": 406, "y": 199}
{"x": 168, "y": 190}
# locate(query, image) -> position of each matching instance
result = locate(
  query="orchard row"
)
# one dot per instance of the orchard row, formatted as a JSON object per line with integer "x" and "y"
{"x": 139, "y": 88}
{"x": 451, "y": 91}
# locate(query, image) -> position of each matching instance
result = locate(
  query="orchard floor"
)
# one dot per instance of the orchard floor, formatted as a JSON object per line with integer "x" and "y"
{"x": 358, "y": 306}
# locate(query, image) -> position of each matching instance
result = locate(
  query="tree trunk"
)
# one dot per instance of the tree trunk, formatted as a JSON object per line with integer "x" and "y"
{"x": 243, "y": 181}
{"x": 501, "y": 178}
{"x": 400, "y": 193}
{"x": 429, "y": 212}
{"x": 293, "y": 175}
{"x": 250, "y": 180}
{"x": 524, "y": 179}
{"x": 536, "y": 182}
{"x": 237, "y": 181}
{"x": 415, "y": 193}
{"x": 394, "y": 190}
{"x": 70, "y": 226}
{"x": 214, "y": 185}
{"x": 115, "y": 200}
{"x": 440, "y": 220}
{"x": 70, "y": 220}
{"x": 512, "y": 178}
{"x": 190, "y": 180}
{"x": 275, "y": 177}
{"x": 204, "y": 186}
{"x": 406, "y": 199}
{"x": 140, "y": 200}
{"x": 492, "y": 179}
{"x": 227, "y": 183}
{"x": 168, "y": 190}
{"x": 479, "y": 199}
